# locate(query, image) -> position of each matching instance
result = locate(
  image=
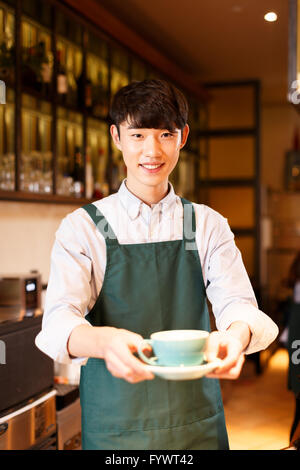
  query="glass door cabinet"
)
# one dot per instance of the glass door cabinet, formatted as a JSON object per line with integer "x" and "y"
{"x": 60, "y": 74}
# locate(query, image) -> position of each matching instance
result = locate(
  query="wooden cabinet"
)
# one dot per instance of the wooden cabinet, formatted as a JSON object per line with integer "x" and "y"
{"x": 60, "y": 73}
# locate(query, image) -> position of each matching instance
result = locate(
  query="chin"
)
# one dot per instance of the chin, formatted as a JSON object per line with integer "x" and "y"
{"x": 153, "y": 181}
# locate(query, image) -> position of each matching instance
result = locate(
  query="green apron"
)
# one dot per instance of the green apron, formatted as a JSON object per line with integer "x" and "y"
{"x": 150, "y": 287}
{"x": 294, "y": 334}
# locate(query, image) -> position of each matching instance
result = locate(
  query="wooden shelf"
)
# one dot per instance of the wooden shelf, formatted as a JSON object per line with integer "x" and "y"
{"x": 23, "y": 196}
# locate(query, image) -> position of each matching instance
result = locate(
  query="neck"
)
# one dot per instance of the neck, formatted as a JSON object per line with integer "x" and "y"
{"x": 148, "y": 194}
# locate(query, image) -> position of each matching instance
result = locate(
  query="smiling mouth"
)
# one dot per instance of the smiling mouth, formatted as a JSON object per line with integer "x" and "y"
{"x": 151, "y": 168}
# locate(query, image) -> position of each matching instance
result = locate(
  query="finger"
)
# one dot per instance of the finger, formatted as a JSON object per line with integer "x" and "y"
{"x": 123, "y": 346}
{"x": 135, "y": 365}
{"x": 228, "y": 362}
{"x": 235, "y": 371}
{"x": 120, "y": 369}
{"x": 134, "y": 341}
{"x": 232, "y": 373}
{"x": 116, "y": 367}
{"x": 227, "y": 350}
{"x": 134, "y": 347}
{"x": 212, "y": 347}
{"x": 127, "y": 343}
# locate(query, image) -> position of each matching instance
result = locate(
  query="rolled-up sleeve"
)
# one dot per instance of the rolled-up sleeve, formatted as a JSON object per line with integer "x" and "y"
{"x": 68, "y": 295}
{"x": 230, "y": 292}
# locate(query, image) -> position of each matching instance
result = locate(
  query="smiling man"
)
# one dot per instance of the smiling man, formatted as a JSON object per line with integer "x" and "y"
{"x": 121, "y": 270}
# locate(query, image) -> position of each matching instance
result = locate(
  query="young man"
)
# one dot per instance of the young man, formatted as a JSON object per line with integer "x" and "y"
{"x": 129, "y": 265}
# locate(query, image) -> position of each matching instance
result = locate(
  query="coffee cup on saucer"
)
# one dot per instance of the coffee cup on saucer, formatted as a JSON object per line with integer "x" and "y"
{"x": 175, "y": 348}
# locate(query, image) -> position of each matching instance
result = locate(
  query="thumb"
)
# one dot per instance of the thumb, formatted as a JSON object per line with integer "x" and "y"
{"x": 212, "y": 346}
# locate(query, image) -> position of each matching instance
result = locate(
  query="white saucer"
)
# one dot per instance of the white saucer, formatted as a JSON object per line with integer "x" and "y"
{"x": 184, "y": 372}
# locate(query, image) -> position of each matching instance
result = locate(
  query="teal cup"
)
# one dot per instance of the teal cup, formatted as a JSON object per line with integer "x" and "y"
{"x": 175, "y": 348}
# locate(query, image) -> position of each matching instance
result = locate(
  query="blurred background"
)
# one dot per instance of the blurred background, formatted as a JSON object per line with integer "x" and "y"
{"x": 237, "y": 62}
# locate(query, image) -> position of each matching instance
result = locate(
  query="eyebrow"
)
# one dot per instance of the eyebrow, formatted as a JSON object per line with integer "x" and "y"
{"x": 175, "y": 131}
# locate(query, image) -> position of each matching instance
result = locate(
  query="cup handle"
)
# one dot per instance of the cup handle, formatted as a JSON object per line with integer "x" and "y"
{"x": 148, "y": 360}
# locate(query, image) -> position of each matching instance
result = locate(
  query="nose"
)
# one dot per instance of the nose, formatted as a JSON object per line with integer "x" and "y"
{"x": 152, "y": 147}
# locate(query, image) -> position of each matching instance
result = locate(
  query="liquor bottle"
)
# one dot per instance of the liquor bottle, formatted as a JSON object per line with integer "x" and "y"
{"x": 36, "y": 70}
{"x": 62, "y": 81}
{"x": 78, "y": 174}
{"x": 45, "y": 68}
{"x": 80, "y": 91}
{"x": 99, "y": 97}
{"x": 88, "y": 93}
{"x": 89, "y": 179}
{"x": 84, "y": 92}
{"x": 7, "y": 63}
{"x": 29, "y": 70}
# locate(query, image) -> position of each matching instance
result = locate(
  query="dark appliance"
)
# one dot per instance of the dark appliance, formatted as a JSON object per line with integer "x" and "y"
{"x": 25, "y": 371}
{"x": 20, "y": 296}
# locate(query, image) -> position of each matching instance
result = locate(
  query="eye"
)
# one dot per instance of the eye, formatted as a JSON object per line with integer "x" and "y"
{"x": 167, "y": 134}
{"x": 137, "y": 136}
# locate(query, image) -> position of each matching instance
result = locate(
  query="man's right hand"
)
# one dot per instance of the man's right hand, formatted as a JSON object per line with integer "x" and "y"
{"x": 118, "y": 346}
{"x": 115, "y": 345}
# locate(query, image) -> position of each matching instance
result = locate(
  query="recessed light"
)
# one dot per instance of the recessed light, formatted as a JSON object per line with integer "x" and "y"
{"x": 270, "y": 16}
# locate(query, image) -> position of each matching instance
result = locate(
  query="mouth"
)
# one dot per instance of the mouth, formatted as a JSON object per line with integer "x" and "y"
{"x": 151, "y": 168}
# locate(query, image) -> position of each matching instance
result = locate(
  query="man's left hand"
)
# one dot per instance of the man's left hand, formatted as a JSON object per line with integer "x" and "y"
{"x": 225, "y": 346}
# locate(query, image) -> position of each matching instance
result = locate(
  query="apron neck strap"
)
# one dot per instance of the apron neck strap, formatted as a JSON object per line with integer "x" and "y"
{"x": 101, "y": 224}
{"x": 189, "y": 220}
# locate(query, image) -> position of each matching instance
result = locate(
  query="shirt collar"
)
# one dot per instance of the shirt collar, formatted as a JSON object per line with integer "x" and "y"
{"x": 132, "y": 203}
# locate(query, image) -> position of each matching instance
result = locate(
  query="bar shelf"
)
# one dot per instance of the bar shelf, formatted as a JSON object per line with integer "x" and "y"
{"x": 60, "y": 73}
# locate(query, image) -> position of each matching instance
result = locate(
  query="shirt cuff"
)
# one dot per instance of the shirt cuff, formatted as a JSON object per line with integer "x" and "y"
{"x": 53, "y": 341}
{"x": 263, "y": 329}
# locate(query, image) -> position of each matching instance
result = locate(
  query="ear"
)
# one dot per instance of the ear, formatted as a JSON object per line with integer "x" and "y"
{"x": 184, "y": 135}
{"x": 115, "y": 136}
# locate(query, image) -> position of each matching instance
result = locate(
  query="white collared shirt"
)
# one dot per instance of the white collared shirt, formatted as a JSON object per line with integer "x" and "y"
{"x": 78, "y": 263}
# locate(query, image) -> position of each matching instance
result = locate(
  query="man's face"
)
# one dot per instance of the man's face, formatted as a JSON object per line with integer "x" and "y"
{"x": 150, "y": 155}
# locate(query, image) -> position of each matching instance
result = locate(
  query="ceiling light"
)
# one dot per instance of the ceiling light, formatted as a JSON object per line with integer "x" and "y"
{"x": 270, "y": 16}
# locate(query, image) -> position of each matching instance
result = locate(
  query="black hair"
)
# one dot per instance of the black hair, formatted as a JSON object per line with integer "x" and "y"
{"x": 150, "y": 104}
